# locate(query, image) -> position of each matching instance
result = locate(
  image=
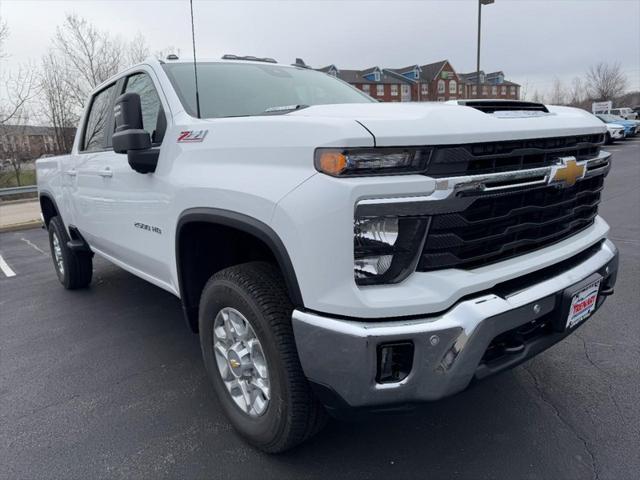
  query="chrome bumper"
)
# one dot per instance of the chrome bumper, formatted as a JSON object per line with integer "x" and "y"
{"x": 339, "y": 356}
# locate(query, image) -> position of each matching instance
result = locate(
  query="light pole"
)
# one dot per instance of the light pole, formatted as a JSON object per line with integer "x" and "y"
{"x": 480, "y": 3}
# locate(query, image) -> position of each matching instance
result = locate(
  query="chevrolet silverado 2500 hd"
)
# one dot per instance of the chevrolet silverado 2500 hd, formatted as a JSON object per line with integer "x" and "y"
{"x": 335, "y": 253}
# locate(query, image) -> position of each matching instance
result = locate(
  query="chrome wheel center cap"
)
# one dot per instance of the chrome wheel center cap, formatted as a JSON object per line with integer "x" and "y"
{"x": 239, "y": 361}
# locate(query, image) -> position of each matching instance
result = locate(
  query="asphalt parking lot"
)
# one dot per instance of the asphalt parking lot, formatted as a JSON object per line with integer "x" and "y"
{"x": 108, "y": 382}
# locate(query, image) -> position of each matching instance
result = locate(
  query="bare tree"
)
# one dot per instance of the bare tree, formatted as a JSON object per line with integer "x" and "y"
{"x": 138, "y": 49}
{"x": 4, "y": 33}
{"x": 524, "y": 90}
{"x": 537, "y": 97}
{"x": 576, "y": 92}
{"x": 165, "y": 52}
{"x": 558, "y": 96}
{"x": 56, "y": 100}
{"x": 605, "y": 81}
{"x": 18, "y": 148}
{"x": 17, "y": 87}
{"x": 90, "y": 56}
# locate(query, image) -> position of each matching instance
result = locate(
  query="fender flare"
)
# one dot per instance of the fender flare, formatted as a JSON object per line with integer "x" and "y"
{"x": 45, "y": 194}
{"x": 246, "y": 224}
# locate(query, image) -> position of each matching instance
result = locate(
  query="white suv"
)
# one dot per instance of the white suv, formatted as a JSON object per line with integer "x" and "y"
{"x": 335, "y": 253}
{"x": 626, "y": 113}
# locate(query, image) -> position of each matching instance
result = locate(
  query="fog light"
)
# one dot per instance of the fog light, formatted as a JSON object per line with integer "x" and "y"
{"x": 369, "y": 266}
{"x": 394, "y": 362}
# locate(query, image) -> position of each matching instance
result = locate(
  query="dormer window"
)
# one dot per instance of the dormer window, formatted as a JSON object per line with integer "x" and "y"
{"x": 376, "y": 76}
{"x": 416, "y": 73}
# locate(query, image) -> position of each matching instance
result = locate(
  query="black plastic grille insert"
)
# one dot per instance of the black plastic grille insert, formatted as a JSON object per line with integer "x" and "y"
{"x": 499, "y": 226}
{"x": 495, "y": 157}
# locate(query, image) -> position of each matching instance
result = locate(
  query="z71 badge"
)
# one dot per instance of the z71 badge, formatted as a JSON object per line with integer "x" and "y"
{"x": 192, "y": 136}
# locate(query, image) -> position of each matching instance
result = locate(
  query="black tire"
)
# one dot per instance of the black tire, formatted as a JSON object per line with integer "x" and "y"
{"x": 77, "y": 267}
{"x": 257, "y": 291}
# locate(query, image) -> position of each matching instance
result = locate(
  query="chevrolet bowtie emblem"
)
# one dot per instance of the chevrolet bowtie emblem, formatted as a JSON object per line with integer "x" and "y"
{"x": 569, "y": 171}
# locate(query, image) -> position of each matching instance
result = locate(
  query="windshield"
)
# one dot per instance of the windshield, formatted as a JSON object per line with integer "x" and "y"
{"x": 236, "y": 89}
{"x": 609, "y": 118}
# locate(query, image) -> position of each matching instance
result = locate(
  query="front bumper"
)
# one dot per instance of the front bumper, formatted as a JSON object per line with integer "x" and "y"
{"x": 339, "y": 356}
{"x": 617, "y": 134}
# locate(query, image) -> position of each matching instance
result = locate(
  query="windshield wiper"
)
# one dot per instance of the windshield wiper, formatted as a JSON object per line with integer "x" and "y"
{"x": 283, "y": 109}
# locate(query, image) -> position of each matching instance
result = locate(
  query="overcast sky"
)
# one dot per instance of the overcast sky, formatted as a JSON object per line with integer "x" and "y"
{"x": 531, "y": 41}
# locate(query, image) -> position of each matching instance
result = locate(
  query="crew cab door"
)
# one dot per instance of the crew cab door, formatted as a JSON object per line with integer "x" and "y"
{"x": 135, "y": 223}
{"x": 90, "y": 163}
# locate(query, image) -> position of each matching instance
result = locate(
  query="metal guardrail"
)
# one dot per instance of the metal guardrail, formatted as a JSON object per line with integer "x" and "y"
{"x": 6, "y": 192}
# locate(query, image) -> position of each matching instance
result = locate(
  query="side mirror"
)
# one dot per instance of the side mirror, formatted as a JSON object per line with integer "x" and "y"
{"x": 130, "y": 137}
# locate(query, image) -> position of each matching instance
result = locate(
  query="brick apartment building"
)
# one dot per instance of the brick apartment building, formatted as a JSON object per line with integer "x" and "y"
{"x": 492, "y": 85}
{"x": 382, "y": 84}
{"x": 27, "y": 142}
{"x": 433, "y": 82}
{"x": 30, "y": 141}
{"x": 419, "y": 83}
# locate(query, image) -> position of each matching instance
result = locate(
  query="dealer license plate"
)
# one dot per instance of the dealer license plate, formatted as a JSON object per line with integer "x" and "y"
{"x": 583, "y": 304}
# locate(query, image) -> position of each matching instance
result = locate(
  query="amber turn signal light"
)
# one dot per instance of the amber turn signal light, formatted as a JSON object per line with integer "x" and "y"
{"x": 332, "y": 162}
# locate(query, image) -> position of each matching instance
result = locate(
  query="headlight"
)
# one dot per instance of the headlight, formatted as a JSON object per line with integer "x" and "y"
{"x": 351, "y": 162}
{"x": 387, "y": 249}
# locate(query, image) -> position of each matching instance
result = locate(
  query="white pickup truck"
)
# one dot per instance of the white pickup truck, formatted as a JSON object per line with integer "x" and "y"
{"x": 334, "y": 253}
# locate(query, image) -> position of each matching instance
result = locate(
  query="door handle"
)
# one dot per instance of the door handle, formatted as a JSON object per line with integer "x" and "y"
{"x": 105, "y": 172}
{"x": 72, "y": 172}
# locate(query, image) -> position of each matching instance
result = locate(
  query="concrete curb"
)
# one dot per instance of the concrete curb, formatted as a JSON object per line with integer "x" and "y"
{"x": 20, "y": 226}
{"x": 20, "y": 200}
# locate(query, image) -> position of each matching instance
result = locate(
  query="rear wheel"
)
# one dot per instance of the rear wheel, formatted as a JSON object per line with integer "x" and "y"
{"x": 74, "y": 269}
{"x": 251, "y": 358}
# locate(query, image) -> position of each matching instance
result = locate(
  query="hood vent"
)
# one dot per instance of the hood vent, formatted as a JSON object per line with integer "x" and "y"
{"x": 492, "y": 106}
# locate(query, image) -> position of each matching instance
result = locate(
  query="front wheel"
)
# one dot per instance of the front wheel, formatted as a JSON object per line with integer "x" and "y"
{"x": 250, "y": 355}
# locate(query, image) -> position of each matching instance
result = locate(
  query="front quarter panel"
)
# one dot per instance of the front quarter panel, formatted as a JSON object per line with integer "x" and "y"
{"x": 246, "y": 165}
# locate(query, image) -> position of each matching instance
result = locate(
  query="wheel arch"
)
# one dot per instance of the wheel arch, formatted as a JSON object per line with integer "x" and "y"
{"x": 48, "y": 207}
{"x": 226, "y": 222}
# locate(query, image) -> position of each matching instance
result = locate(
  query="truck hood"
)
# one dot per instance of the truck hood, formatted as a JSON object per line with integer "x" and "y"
{"x": 394, "y": 124}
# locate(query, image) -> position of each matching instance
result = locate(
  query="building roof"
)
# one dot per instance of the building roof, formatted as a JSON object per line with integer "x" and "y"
{"x": 427, "y": 72}
{"x": 386, "y": 77}
{"x": 495, "y": 74}
{"x": 358, "y": 76}
{"x": 469, "y": 76}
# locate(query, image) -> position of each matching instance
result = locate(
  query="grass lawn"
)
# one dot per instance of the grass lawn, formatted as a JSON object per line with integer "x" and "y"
{"x": 8, "y": 178}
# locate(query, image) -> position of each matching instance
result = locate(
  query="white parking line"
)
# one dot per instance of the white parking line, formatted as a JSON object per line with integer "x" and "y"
{"x": 31, "y": 244}
{"x": 6, "y": 269}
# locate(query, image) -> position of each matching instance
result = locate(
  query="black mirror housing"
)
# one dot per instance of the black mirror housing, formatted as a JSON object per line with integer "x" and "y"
{"x": 129, "y": 136}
